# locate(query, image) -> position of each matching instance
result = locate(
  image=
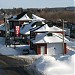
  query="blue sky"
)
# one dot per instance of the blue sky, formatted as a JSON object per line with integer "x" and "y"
{"x": 35, "y": 3}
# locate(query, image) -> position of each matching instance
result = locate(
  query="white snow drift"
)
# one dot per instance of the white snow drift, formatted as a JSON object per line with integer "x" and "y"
{"x": 64, "y": 65}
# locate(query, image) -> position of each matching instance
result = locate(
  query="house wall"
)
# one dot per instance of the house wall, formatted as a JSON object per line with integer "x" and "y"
{"x": 56, "y": 49}
{"x": 51, "y": 49}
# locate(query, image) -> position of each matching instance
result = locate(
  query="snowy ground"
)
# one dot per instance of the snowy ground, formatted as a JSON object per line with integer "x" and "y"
{"x": 63, "y": 65}
{"x": 20, "y": 49}
{"x": 7, "y": 51}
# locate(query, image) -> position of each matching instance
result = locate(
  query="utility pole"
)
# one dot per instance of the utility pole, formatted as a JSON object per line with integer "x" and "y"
{"x": 63, "y": 35}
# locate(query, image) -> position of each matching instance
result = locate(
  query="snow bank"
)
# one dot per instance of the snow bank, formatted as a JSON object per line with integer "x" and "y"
{"x": 7, "y": 51}
{"x": 48, "y": 65}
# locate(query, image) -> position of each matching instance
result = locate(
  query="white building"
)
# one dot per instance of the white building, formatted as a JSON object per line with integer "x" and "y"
{"x": 49, "y": 43}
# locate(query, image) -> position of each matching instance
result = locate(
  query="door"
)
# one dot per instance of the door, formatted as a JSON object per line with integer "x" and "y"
{"x": 42, "y": 50}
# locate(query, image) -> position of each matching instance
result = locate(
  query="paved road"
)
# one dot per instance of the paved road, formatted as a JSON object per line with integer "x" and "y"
{"x": 9, "y": 66}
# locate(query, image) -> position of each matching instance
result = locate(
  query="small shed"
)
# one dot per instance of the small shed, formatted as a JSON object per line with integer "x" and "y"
{"x": 45, "y": 43}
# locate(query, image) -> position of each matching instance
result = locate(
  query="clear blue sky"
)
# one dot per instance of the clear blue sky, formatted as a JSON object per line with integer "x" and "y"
{"x": 35, "y": 3}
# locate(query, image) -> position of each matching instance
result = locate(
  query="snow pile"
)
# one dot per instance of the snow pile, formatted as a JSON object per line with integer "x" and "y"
{"x": 7, "y": 51}
{"x": 48, "y": 65}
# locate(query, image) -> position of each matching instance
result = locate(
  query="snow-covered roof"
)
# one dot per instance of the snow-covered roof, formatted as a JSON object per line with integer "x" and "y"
{"x": 47, "y": 28}
{"x": 57, "y": 29}
{"x": 43, "y": 28}
{"x": 25, "y": 17}
{"x": 37, "y": 18}
{"x": 2, "y": 27}
{"x": 47, "y": 39}
{"x": 61, "y": 36}
{"x": 43, "y": 38}
{"x": 26, "y": 28}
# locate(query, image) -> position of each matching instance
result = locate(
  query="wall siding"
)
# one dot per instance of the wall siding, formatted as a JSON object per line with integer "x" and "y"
{"x": 54, "y": 48}
{"x": 59, "y": 47}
